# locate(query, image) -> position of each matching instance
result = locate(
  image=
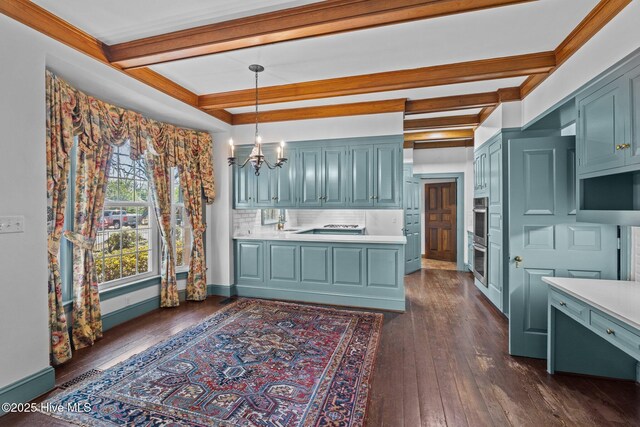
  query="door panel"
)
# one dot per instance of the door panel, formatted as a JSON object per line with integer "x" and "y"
{"x": 634, "y": 134}
{"x": 544, "y": 233}
{"x": 361, "y": 176}
{"x": 263, "y": 188}
{"x": 283, "y": 262}
{"x": 440, "y": 221}
{"x": 244, "y": 183}
{"x": 333, "y": 177}
{"x": 386, "y": 182}
{"x": 284, "y": 182}
{"x": 314, "y": 264}
{"x": 412, "y": 252}
{"x": 310, "y": 177}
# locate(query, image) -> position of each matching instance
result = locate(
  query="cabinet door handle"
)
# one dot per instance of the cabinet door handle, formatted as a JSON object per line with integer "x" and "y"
{"x": 623, "y": 146}
{"x": 611, "y": 331}
{"x": 562, "y": 303}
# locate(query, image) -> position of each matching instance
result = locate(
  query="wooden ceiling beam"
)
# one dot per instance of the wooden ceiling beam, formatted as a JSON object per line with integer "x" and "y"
{"x": 324, "y": 111}
{"x": 443, "y": 122}
{"x": 439, "y": 135}
{"x": 462, "y": 102}
{"x": 316, "y": 19}
{"x": 599, "y": 16}
{"x": 443, "y": 144}
{"x": 484, "y": 69}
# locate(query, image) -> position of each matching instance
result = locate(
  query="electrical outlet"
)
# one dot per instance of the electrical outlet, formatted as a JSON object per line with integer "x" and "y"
{"x": 11, "y": 224}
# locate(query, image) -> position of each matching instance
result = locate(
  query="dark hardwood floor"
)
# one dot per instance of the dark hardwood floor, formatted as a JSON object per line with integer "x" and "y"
{"x": 443, "y": 362}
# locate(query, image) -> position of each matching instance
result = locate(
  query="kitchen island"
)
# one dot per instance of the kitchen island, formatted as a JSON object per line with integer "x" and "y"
{"x": 339, "y": 269}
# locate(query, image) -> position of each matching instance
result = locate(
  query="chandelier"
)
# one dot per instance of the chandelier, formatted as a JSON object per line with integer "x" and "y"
{"x": 256, "y": 159}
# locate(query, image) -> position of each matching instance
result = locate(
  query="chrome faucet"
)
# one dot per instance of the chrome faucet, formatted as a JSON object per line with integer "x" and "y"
{"x": 280, "y": 224}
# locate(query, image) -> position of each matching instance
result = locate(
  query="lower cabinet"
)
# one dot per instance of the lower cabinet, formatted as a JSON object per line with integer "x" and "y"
{"x": 348, "y": 274}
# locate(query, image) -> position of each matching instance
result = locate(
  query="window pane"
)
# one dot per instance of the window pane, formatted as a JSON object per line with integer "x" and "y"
{"x": 111, "y": 268}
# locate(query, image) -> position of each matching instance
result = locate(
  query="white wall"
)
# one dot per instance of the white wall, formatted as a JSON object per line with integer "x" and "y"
{"x": 24, "y": 55}
{"x": 338, "y": 127}
{"x": 447, "y": 160}
{"x": 617, "y": 39}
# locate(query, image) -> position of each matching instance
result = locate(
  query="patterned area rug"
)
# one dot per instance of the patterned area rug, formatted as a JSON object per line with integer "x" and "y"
{"x": 253, "y": 363}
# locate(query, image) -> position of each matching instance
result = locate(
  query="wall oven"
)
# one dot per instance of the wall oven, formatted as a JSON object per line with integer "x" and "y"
{"x": 480, "y": 220}
{"x": 480, "y": 263}
{"x": 480, "y": 238}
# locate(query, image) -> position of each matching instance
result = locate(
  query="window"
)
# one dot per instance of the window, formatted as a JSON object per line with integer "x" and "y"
{"x": 126, "y": 240}
{"x": 181, "y": 225}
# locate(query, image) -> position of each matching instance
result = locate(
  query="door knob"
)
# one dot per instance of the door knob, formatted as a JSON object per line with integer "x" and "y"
{"x": 518, "y": 260}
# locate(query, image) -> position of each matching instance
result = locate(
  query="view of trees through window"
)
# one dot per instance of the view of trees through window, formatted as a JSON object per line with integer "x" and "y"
{"x": 124, "y": 242}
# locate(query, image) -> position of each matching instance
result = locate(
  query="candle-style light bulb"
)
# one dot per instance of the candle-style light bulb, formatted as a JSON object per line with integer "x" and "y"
{"x": 231, "y": 146}
{"x": 281, "y": 153}
{"x": 259, "y": 139}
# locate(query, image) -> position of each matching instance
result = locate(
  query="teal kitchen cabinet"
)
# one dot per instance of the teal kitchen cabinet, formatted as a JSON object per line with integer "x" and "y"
{"x": 480, "y": 171}
{"x": 608, "y": 147}
{"x": 250, "y": 262}
{"x": 360, "y": 184}
{"x": 601, "y": 128}
{"x": 334, "y": 179}
{"x": 310, "y": 177}
{"x": 352, "y": 274}
{"x": 284, "y": 182}
{"x": 342, "y": 173}
{"x": 388, "y": 173}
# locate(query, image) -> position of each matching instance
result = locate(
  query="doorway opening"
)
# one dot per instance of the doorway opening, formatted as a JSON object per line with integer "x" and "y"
{"x": 440, "y": 224}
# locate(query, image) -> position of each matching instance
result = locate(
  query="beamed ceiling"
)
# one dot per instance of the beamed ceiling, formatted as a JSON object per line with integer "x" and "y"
{"x": 445, "y": 63}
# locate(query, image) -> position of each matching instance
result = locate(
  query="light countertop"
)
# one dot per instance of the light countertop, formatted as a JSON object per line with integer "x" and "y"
{"x": 293, "y": 236}
{"x": 617, "y": 298}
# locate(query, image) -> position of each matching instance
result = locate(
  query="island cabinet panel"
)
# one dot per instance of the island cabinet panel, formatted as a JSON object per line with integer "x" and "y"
{"x": 314, "y": 264}
{"x": 330, "y": 174}
{"x": 250, "y": 262}
{"x": 283, "y": 262}
{"x": 348, "y": 266}
{"x": 361, "y": 176}
{"x": 351, "y": 274}
{"x": 382, "y": 267}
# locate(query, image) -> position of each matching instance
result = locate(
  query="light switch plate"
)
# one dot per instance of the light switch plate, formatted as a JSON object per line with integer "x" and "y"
{"x": 11, "y": 224}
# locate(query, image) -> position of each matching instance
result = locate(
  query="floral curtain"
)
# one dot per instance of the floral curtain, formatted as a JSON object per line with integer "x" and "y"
{"x": 99, "y": 126}
{"x": 192, "y": 190}
{"x": 91, "y": 182}
{"x": 158, "y": 168}
{"x": 58, "y": 143}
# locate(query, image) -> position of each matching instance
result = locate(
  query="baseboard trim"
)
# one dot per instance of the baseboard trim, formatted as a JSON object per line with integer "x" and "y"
{"x": 321, "y": 298}
{"x": 28, "y": 388}
{"x": 221, "y": 290}
{"x": 130, "y": 312}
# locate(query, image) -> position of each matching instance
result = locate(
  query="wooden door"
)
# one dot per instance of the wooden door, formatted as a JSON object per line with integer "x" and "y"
{"x": 440, "y": 221}
{"x": 544, "y": 235}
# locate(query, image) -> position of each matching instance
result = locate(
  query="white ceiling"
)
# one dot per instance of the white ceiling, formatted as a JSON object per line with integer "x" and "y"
{"x": 117, "y": 21}
{"x": 517, "y": 29}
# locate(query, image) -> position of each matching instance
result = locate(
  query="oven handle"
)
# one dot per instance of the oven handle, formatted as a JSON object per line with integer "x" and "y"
{"x": 479, "y": 248}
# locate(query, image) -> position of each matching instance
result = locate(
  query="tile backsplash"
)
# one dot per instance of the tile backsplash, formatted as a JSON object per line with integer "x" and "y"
{"x": 377, "y": 222}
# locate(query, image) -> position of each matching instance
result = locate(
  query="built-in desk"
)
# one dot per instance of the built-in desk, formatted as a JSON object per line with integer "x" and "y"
{"x": 594, "y": 327}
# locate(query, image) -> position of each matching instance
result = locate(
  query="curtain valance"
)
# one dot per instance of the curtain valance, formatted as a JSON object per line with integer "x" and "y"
{"x": 98, "y": 122}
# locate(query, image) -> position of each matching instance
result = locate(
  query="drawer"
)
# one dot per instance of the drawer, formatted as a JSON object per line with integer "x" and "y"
{"x": 568, "y": 305}
{"x": 617, "y": 334}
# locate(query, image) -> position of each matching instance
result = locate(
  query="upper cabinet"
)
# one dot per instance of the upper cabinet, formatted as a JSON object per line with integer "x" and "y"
{"x": 358, "y": 173}
{"x": 608, "y": 148}
{"x": 608, "y": 130}
{"x": 481, "y": 172}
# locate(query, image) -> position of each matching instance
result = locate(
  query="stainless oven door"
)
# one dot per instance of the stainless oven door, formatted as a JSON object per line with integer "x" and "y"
{"x": 480, "y": 263}
{"x": 480, "y": 225}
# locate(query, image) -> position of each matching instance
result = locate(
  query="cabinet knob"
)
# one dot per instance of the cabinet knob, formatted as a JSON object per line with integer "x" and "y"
{"x": 611, "y": 331}
{"x": 623, "y": 146}
{"x": 562, "y": 303}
